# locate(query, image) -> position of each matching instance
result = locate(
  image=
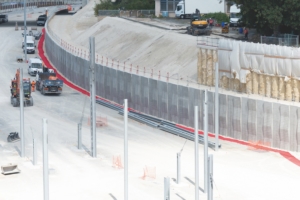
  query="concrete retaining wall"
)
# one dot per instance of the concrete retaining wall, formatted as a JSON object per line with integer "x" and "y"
{"x": 241, "y": 118}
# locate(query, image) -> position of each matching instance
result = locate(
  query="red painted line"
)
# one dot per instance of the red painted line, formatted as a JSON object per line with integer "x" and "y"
{"x": 285, "y": 154}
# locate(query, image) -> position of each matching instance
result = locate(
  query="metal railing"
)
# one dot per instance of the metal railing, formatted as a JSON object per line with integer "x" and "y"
{"x": 127, "y": 13}
{"x": 282, "y": 40}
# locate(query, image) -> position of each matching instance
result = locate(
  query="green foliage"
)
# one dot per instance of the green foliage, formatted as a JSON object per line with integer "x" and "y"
{"x": 269, "y": 15}
{"x": 220, "y": 17}
{"x": 125, "y": 5}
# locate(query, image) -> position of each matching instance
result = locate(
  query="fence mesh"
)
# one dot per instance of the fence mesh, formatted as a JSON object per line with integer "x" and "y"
{"x": 282, "y": 40}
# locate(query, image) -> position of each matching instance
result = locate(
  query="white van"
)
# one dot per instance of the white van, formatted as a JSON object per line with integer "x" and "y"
{"x": 235, "y": 15}
{"x": 35, "y": 66}
{"x": 28, "y": 38}
{"x": 30, "y": 47}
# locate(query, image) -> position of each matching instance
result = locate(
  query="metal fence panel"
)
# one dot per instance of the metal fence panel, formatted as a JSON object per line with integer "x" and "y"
{"x": 162, "y": 99}
{"x": 100, "y": 79}
{"x": 259, "y": 120}
{"x": 120, "y": 89}
{"x": 248, "y": 119}
{"x": 211, "y": 112}
{"x": 153, "y": 98}
{"x": 127, "y": 88}
{"x": 276, "y": 125}
{"x": 114, "y": 85}
{"x": 144, "y": 95}
{"x": 284, "y": 127}
{"x": 107, "y": 83}
{"x": 223, "y": 114}
{"x": 294, "y": 128}
{"x": 195, "y": 99}
{"x": 268, "y": 122}
{"x": 172, "y": 103}
{"x": 234, "y": 117}
{"x": 136, "y": 92}
{"x": 183, "y": 105}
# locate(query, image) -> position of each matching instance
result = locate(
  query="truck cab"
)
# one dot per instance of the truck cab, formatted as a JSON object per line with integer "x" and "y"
{"x": 235, "y": 16}
{"x": 35, "y": 66}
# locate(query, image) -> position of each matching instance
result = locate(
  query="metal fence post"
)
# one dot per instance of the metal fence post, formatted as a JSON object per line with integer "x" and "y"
{"x": 178, "y": 167}
{"x": 79, "y": 136}
{"x": 196, "y": 153}
{"x": 166, "y": 188}
{"x": 205, "y": 141}
{"x": 22, "y": 114}
{"x": 34, "y": 151}
{"x": 217, "y": 107}
{"x": 125, "y": 150}
{"x": 210, "y": 177}
{"x": 45, "y": 160}
{"x": 92, "y": 98}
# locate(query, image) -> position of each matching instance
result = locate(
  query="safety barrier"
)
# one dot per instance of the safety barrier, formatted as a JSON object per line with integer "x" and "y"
{"x": 242, "y": 118}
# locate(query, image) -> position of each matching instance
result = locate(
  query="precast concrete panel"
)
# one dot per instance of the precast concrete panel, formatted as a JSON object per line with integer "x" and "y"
{"x": 102, "y": 81}
{"x": 162, "y": 99}
{"x": 153, "y": 98}
{"x": 248, "y": 119}
{"x": 260, "y": 120}
{"x": 294, "y": 128}
{"x": 107, "y": 83}
{"x": 223, "y": 114}
{"x": 268, "y": 123}
{"x": 127, "y": 88}
{"x": 195, "y": 99}
{"x": 284, "y": 130}
{"x": 144, "y": 95}
{"x": 136, "y": 92}
{"x": 211, "y": 112}
{"x": 183, "y": 105}
{"x": 172, "y": 103}
{"x": 114, "y": 85}
{"x": 276, "y": 125}
{"x": 234, "y": 117}
{"x": 120, "y": 89}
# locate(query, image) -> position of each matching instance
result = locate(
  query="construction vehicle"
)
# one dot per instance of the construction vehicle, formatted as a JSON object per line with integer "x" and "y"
{"x": 15, "y": 91}
{"x": 198, "y": 26}
{"x": 225, "y": 28}
{"x": 48, "y": 83}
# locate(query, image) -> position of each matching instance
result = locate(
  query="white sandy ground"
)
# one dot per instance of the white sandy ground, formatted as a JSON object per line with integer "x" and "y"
{"x": 239, "y": 173}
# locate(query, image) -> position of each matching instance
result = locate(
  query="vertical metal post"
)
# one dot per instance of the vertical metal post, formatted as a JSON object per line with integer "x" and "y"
{"x": 79, "y": 136}
{"x": 205, "y": 141}
{"x": 45, "y": 160}
{"x": 92, "y": 97}
{"x": 196, "y": 153}
{"x": 25, "y": 30}
{"x": 178, "y": 167}
{"x": 210, "y": 177}
{"x": 217, "y": 107}
{"x": 22, "y": 114}
{"x": 125, "y": 150}
{"x": 166, "y": 188}
{"x": 34, "y": 152}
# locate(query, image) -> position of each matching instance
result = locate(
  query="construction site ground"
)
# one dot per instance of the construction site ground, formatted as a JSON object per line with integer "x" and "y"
{"x": 239, "y": 172}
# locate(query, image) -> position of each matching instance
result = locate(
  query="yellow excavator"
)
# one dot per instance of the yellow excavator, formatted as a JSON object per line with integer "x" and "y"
{"x": 198, "y": 26}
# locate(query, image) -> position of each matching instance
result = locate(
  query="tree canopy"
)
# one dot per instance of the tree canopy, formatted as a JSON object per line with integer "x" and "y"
{"x": 271, "y": 16}
{"x": 125, "y": 5}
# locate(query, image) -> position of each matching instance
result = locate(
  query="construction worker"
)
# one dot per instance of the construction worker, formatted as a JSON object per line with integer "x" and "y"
{"x": 32, "y": 86}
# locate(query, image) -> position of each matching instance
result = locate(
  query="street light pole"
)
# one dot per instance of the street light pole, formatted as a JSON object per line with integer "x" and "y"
{"x": 25, "y": 30}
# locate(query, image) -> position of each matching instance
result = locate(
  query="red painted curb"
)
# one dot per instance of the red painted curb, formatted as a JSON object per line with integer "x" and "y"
{"x": 285, "y": 154}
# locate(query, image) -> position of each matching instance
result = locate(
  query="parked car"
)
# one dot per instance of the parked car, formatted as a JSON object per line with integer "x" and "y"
{"x": 41, "y": 21}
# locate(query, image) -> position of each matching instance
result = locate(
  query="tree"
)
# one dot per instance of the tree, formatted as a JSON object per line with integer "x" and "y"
{"x": 270, "y": 14}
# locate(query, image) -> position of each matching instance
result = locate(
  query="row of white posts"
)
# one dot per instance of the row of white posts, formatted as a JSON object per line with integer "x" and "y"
{"x": 208, "y": 159}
